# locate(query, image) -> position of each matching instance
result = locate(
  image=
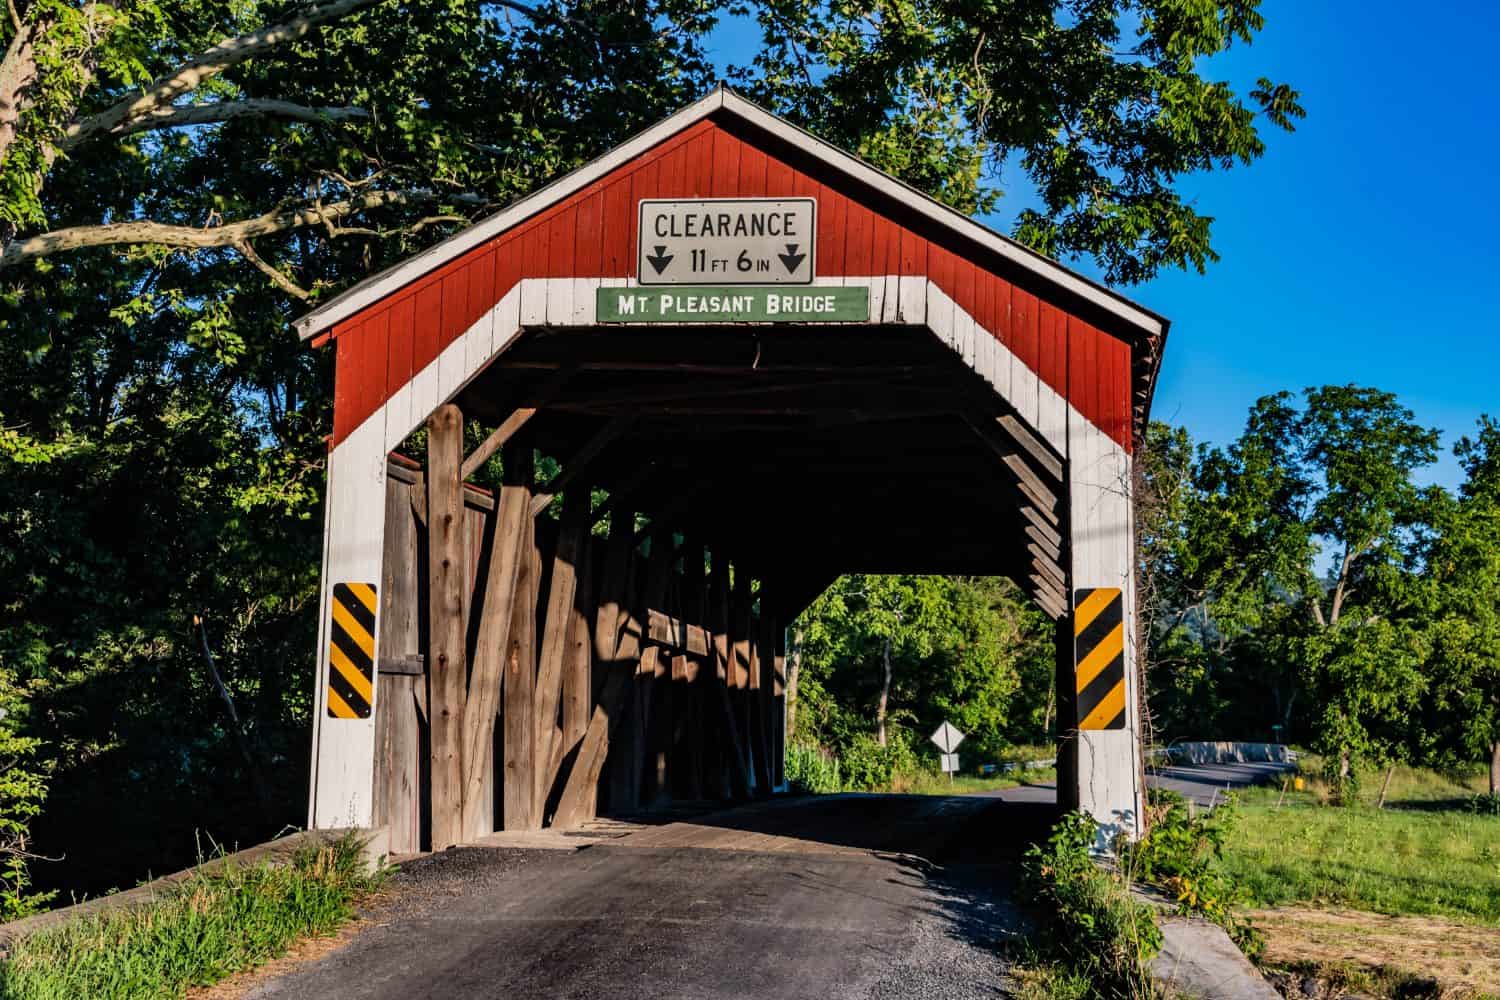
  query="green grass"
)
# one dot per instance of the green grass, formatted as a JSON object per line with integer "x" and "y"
{"x": 1423, "y": 855}
{"x": 199, "y": 932}
{"x": 927, "y": 783}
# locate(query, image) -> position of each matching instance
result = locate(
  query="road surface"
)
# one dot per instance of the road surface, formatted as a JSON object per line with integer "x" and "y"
{"x": 1204, "y": 784}
{"x": 838, "y": 898}
{"x": 849, "y": 897}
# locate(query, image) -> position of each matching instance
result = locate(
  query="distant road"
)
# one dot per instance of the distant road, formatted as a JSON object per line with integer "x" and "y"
{"x": 1201, "y": 783}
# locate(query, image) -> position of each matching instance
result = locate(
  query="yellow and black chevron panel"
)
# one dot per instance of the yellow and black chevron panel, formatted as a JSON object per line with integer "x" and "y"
{"x": 1099, "y": 655}
{"x": 351, "y": 651}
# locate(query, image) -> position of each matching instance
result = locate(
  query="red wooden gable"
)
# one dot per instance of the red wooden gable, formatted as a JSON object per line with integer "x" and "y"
{"x": 591, "y": 233}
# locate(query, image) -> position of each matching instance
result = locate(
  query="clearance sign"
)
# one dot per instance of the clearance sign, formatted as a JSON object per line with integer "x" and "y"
{"x": 696, "y": 257}
{"x": 727, "y": 241}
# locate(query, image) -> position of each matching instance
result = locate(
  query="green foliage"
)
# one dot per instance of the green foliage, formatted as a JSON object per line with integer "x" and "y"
{"x": 1247, "y": 639}
{"x": 812, "y": 770}
{"x": 1182, "y": 855}
{"x": 869, "y": 767}
{"x": 1106, "y": 107}
{"x": 970, "y": 650}
{"x": 1090, "y": 923}
{"x": 201, "y": 931}
{"x": 1485, "y": 804}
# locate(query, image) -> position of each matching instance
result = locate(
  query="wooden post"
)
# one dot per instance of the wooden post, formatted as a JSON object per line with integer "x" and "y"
{"x": 447, "y": 581}
{"x": 517, "y": 797}
{"x": 577, "y": 680}
{"x": 511, "y": 531}
{"x": 398, "y": 764}
{"x": 765, "y": 648}
{"x": 691, "y": 754}
{"x": 742, "y": 666}
{"x": 571, "y": 538}
{"x": 1101, "y": 658}
{"x": 1067, "y": 735}
{"x": 578, "y": 798}
{"x": 784, "y": 696}
{"x": 648, "y": 748}
{"x": 732, "y": 779}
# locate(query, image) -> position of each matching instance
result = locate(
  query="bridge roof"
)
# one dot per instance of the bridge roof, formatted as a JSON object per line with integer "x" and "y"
{"x": 947, "y": 239}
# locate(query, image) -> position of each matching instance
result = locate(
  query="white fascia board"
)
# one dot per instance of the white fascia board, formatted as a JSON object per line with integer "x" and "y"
{"x": 374, "y": 289}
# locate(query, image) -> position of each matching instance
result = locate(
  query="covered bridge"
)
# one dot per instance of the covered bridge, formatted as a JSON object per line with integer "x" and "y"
{"x": 749, "y": 362}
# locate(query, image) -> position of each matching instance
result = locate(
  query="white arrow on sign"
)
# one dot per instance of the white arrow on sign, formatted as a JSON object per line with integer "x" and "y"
{"x": 947, "y": 738}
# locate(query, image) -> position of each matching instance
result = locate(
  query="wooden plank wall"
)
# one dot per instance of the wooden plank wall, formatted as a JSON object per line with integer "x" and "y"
{"x": 630, "y": 698}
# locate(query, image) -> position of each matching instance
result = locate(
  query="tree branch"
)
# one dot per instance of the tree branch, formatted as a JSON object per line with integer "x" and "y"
{"x": 280, "y": 280}
{"x": 209, "y": 64}
{"x": 219, "y": 111}
{"x": 234, "y": 234}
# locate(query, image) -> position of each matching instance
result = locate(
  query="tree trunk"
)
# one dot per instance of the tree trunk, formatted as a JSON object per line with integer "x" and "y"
{"x": 793, "y": 668}
{"x": 1495, "y": 768}
{"x": 1385, "y": 786}
{"x": 885, "y": 694}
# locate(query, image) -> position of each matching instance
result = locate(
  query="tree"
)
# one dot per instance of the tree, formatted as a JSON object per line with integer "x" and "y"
{"x": 888, "y": 658}
{"x": 1104, "y": 106}
{"x": 1464, "y": 568}
{"x": 181, "y": 421}
{"x": 1234, "y": 551}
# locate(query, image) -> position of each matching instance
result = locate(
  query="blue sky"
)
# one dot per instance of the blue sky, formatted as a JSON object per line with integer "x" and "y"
{"x": 1362, "y": 247}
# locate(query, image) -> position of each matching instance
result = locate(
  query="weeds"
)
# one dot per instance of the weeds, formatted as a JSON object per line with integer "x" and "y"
{"x": 1183, "y": 856}
{"x": 1091, "y": 928}
{"x": 199, "y": 932}
{"x": 1485, "y": 804}
{"x": 812, "y": 770}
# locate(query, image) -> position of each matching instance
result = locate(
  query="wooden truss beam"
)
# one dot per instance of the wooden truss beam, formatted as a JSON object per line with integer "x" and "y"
{"x": 579, "y": 462}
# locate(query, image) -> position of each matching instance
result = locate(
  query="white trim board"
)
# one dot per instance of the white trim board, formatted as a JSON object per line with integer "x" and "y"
{"x": 382, "y": 285}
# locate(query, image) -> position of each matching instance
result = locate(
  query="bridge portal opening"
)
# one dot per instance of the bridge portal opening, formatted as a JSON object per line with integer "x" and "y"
{"x": 698, "y": 432}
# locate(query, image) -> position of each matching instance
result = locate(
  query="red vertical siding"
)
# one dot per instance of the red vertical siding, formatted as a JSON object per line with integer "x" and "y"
{"x": 593, "y": 234}
{"x": 398, "y": 369}
{"x": 561, "y": 230}
{"x": 587, "y": 241}
{"x": 619, "y": 217}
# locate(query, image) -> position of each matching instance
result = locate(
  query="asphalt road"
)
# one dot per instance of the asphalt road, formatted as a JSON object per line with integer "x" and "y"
{"x": 842, "y": 898}
{"x": 850, "y": 897}
{"x": 1204, "y": 784}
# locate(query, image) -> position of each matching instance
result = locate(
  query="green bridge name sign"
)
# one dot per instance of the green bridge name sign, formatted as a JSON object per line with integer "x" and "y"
{"x": 733, "y": 305}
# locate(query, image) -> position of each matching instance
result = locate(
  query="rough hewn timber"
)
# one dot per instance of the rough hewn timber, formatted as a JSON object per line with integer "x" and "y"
{"x": 732, "y": 778}
{"x": 398, "y": 765}
{"x": 518, "y": 801}
{"x": 512, "y": 530}
{"x": 571, "y": 538}
{"x": 447, "y": 581}
{"x": 577, "y": 803}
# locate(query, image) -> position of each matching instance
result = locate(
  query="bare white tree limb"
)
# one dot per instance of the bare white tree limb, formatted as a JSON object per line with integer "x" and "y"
{"x": 218, "y": 111}
{"x": 210, "y": 63}
{"x": 145, "y": 232}
{"x": 280, "y": 280}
